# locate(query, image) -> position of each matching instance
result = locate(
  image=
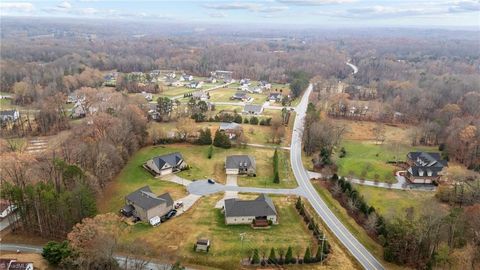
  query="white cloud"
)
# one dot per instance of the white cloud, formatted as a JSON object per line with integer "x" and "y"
{"x": 88, "y": 11}
{"x": 314, "y": 2}
{"x": 16, "y": 6}
{"x": 464, "y": 6}
{"x": 218, "y": 15}
{"x": 64, "y": 5}
{"x": 254, "y": 7}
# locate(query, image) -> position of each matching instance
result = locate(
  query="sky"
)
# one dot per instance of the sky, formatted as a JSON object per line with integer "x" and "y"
{"x": 322, "y": 13}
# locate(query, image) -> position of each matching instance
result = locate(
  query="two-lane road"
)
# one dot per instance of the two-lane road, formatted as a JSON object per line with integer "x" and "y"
{"x": 364, "y": 257}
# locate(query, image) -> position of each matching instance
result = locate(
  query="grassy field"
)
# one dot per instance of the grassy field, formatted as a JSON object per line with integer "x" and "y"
{"x": 224, "y": 94}
{"x": 367, "y": 160}
{"x": 353, "y": 227}
{"x": 393, "y": 203}
{"x": 175, "y": 238}
{"x": 134, "y": 176}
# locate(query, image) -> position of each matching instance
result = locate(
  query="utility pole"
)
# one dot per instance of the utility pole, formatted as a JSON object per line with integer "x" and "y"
{"x": 242, "y": 237}
{"x": 321, "y": 250}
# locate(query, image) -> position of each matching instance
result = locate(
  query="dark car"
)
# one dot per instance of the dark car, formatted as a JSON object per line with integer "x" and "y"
{"x": 211, "y": 181}
{"x": 171, "y": 214}
{"x": 136, "y": 219}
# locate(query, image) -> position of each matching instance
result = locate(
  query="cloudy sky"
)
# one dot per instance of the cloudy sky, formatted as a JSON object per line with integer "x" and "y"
{"x": 307, "y": 12}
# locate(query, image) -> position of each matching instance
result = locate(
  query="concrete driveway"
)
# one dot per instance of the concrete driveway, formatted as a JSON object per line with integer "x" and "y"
{"x": 229, "y": 194}
{"x": 188, "y": 202}
{"x": 202, "y": 187}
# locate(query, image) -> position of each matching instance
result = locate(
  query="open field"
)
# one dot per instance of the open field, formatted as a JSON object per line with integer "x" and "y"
{"x": 174, "y": 239}
{"x": 393, "y": 203}
{"x": 255, "y": 133}
{"x": 353, "y": 227}
{"x": 367, "y": 160}
{"x": 364, "y": 131}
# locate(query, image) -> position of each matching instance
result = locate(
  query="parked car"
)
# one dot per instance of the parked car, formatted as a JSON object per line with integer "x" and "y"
{"x": 211, "y": 181}
{"x": 135, "y": 219}
{"x": 170, "y": 214}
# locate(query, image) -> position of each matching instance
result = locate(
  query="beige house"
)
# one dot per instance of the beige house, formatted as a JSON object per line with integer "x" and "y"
{"x": 260, "y": 210}
{"x": 166, "y": 164}
{"x": 144, "y": 204}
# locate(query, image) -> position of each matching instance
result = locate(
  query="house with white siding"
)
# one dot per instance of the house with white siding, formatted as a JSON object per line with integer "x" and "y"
{"x": 166, "y": 164}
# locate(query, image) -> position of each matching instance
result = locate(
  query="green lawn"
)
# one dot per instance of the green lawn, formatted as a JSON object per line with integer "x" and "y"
{"x": 367, "y": 160}
{"x": 134, "y": 175}
{"x": 224, "y": 94}
{"x": 175, "y": 238}
{"x": 170, "y": 91}
{"x": 393, "y": 203}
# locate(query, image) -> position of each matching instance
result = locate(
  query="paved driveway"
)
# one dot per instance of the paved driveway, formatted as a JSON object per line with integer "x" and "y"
{"x": 188, "y": 202}
{"x": 202, "y": 187}
{"x": 231, "y": 181}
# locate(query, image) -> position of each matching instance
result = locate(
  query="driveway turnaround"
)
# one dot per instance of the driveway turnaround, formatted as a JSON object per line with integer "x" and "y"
{"x": 202, "y": 187}
{"x": 363, "y": 256}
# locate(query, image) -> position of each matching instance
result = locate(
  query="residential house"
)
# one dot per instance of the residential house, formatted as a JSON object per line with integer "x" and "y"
{"x": 256, "y": 89}
{"x": 242, "y": 96}
{"x": 245, "y": 88}
{"x": 166, "y": 164}
{"x": 13, "y": 264}
{"x": 195, "y": 85}
{"x": 9, "y": 115}
{"x": 211, "y": 80}
{"x": 6, "y": 208}
{"x": 201, "y": 95}
{"x": 259, "y": 211}
{"x": 171, "y": 75}
{"x": 265, "y": 85}
{"x": 187, "y": 78}
{"x": 226, "y": 76}
{"x": 275, "y": 97}
{"x": 144, "y": 204}
{"x": 147, "y": 96}
{"x": 253, "y": 109}
{"x": 231, "y": 129}
{"x": 245, "y": 82}
{"x": 425, "y": 168}
{"x": 202, "y": 245}
{"x": 240, "y": 164}
{"x": 78, "y": 110}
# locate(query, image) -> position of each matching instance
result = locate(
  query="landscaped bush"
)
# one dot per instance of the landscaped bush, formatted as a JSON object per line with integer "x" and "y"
{"x": 254, "y": 120}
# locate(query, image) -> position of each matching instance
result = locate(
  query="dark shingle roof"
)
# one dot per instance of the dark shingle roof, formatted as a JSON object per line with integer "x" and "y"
{"x": 426, "y": 163}
{"x": 252, "y": 108}
{"x": 234, "y": 161}
{"x": 231, "y": 125}
{"x": 146, "y": 199}
{"x": 171, "y": 159}
{"x": 8, "y": 113}
{"x": 261, "y": 206}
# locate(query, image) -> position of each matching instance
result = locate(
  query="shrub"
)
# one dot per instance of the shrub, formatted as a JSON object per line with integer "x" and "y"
{"x": 55, "y": 252}
{"x": 238, "y": 119}
{"x": 289, "y": 255}
{"x": 343, "y": 152}
{"x": 255, "y": 257}
{"x": 254, "y": 120}
{"x": 210, "y": 152}
{"x": 245, "y": 121}
{"x": 272, "y": 258}
{"x": 307, "y": 258}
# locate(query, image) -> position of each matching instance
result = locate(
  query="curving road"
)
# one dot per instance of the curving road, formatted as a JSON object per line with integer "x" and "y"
{"x": 355, "y": 68}
{"x": 363, "y": 256}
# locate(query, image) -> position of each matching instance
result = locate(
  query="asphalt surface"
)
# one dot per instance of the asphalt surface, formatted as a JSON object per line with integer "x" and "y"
{"x": 363, "y": 256}
{"x": 202, "y": 187}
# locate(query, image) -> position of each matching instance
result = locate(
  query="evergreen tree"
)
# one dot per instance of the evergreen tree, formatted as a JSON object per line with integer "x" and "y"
{"x": 289, "y": 255}
{"x": 210, "y": 152}
{"x": 273, "y": 257}
{"x": 298, "y": 204}
{"x": 238, "y": 119}
{"x": 255, "y": 257}
{"x": 221, "y": 140}
{"x": 254, "y": 120}
{"x": 55, "y": 252}
{"x": 205, "y": 137}
{"x": 276, "y": 176}
{"x": 307, "y": 258}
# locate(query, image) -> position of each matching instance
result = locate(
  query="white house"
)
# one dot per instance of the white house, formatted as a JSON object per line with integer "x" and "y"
{"x": 166, "y": 164}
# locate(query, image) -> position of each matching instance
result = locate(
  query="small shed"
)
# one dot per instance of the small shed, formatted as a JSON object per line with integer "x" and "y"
{"x": 202, "y": 245}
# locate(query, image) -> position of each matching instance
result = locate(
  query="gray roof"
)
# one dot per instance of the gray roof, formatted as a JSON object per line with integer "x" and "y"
{"x": 274, "y": 95}
{"x": 146, "y": 199}
{"x": 426, "y": 163}
{"x": 8, "y": 113}
{"x": 227, "y": 126}
{"x": 252, "y": 108}
{"x": 171, "y": 159}
{"x": 236, "y": 161}
{"x": 261, "y": 206}
{"x": 240, "y": 94}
